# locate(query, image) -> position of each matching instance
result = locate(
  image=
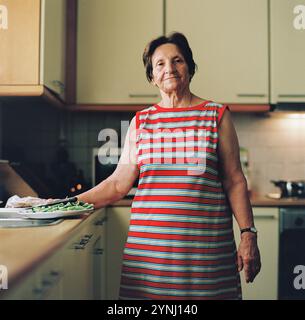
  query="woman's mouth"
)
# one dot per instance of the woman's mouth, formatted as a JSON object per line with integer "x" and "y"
{"x": 173, "y": 77}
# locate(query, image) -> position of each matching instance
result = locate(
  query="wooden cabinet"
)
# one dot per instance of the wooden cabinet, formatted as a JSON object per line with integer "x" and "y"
{"x": 32, "y": 47}
{"x": 287, "y": 51}
{"x": 19, "y": 45}
{"x": 229, "y": 40}
{"x": 265, "y": 285}
{"x": 112, "y": 35}
{"x": 117, "y": 229}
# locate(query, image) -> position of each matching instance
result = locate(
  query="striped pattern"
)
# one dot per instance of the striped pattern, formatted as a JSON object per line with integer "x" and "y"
{"x": 180, "y": 242}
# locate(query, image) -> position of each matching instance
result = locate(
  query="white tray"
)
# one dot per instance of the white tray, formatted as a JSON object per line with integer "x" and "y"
{"x": 54, "y": 214}
{"x": 10, "y": 213}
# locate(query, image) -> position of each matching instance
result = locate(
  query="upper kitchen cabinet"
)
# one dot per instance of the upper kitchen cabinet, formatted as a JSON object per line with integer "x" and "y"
{"x": 229, "y": 40}
{"x": 287, "y": 20}
{"x": 32, "y": 47}
{"x": 112, "y": 35}
{"x": 53, "y": 45}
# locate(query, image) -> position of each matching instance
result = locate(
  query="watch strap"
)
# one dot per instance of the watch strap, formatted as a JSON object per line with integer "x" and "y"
{"x": 252, "y": 229}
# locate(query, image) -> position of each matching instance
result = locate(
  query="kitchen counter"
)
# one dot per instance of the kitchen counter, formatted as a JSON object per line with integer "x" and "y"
{"x": 263, "y": 201}
{"x": 22, "y": 249}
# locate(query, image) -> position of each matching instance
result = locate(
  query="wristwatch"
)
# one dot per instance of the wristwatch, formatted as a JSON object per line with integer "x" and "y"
{"x": 251, "y": 229}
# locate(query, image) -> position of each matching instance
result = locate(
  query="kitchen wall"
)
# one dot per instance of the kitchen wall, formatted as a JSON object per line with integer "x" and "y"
{"x": 32, "y": 133}
{"x": 276, "y": 148}
{"x": 83, "y": 130}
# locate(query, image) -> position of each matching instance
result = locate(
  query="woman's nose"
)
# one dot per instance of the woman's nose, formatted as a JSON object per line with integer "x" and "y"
{"x": 169, "y": 68}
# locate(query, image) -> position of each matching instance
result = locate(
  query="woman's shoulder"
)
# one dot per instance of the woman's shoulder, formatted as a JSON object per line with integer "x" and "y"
{"x": 216, "y": 105}
{"x": 147, "y": 109}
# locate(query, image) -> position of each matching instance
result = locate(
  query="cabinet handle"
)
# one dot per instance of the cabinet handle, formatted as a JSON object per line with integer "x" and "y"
{"x": 251, "y": 95}
{"x": 83, "y": 242}
{"x": 46, "y": 283}
{"x": 58, "y": 83}
{"x": 266, "y": 216}
{"x": 291, "y": 95}
{"x": 38, "y": 292}
{"x": 98, "y": 251}
{"x": 79, "y": 246}
{"x": 55, "y": 275}
{"x": 100, "y": 222}
{"x": 134, "y": 95}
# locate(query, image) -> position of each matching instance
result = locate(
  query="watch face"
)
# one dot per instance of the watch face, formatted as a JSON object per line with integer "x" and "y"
{"x": 253, "y": 229}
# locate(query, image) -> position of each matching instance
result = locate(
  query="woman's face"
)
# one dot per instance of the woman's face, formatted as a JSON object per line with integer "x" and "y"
{"x": 170, "y": 71}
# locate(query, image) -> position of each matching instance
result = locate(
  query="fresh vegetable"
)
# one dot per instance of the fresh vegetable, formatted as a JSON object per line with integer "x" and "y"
{"x": 69, "y": 206}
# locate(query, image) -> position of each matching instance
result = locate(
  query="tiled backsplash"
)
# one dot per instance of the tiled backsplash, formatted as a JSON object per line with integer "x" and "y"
{"x": 32, "y": 133}
{"x": 276, "y": 148}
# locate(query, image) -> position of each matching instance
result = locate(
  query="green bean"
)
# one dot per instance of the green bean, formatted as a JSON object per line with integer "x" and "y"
{"x": 69, "y": 206}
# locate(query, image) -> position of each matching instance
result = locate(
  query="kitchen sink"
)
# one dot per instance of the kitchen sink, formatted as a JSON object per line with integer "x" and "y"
{"x": 9, "y": 218}
{"x": 23, "y": 223}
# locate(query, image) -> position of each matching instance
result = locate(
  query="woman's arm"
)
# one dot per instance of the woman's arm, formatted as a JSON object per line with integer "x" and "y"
{"x": 118, "y": 184}
{"x": 235, "y": 186}
{"x": 233, "y": 179}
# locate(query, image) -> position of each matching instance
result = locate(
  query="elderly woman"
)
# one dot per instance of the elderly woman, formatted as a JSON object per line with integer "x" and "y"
{"x": 180, "y": 242}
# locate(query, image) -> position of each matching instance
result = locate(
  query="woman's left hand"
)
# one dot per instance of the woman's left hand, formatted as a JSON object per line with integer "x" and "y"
{"x": 248, "y": 256}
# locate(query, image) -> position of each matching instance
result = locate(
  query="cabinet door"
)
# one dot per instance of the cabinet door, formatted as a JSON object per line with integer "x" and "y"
{"x": 99, "y": 258}
{"x": 49, "y": 279}
{"x": 265, "y": 285}
{"x": 117, "y": 230}
{"x": 53, "y": 45}
{"x": 78, "y": 266}
{"x": 287, "y": 51}
{"x": 229, "y": 40}
{"x": 112, "y": 35}
{"x": 19, "y": 42}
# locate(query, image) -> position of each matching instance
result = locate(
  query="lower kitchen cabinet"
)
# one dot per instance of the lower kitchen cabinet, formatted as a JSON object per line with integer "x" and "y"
{"x": 117, "y": 229}
{"x": 84, "y": 262}
{"x": 88, "y": 265}
{"x": 265, "y": 285}
{"x": 44, "y": 283}
{"x": 77, "y": 270}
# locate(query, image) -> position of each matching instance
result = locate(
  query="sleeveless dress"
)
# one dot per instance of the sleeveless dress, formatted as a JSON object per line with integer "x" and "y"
{"x": 180, "y": 241}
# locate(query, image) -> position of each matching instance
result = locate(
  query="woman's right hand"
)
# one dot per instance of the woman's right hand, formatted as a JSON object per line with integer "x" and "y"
{"x": 248, "y": 256}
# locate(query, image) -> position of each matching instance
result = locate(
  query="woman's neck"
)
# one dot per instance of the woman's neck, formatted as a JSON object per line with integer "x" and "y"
{"x": 176, "y": 101}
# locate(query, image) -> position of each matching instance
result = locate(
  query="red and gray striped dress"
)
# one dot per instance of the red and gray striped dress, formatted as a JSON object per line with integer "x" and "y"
{"x": 180, "y": 242}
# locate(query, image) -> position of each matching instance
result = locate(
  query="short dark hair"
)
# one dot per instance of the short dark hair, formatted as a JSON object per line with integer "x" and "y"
{"x": 180, "y": 41}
